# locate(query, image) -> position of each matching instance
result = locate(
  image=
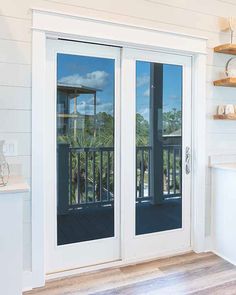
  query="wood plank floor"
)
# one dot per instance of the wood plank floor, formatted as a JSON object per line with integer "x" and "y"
{"x": 185, "y": 274}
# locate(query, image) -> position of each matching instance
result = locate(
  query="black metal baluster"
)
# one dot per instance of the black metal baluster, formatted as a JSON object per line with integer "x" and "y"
{"x": 94, "y": 175}
{"x": 136, "y": 178}
{"x": 100, "y": 175}
{"x": 149, "y": 172}
{"x": 70, "y": 177}
{"x": 78, "y": 177}
{"x": 113, "y": 174}
{"x": 86, "y": 176}
{"x": 108, "y": 175}
{"x": 142, "y": 173}
{"x": 174, "y": 170}
{"x": 168, "y": 169}
{"x": 171, "y": 169}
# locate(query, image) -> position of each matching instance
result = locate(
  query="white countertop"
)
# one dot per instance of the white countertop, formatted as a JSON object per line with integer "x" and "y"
{"x": 224, "y": 166}
{"x": 16, "y": 184}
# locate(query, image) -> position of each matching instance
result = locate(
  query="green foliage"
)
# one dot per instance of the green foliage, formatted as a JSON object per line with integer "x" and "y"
{"x": 172, "y": 121}
{"x": 142, "y": 130}
{"x": 103, "y": 135}
{"x": 89, "y": 136}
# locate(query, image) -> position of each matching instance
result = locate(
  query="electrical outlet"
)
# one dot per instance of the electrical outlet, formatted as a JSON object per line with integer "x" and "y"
{"x": 10, "y": 148}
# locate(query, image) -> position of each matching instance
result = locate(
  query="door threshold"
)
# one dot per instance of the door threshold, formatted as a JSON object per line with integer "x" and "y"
{"x": 112, "y": 265}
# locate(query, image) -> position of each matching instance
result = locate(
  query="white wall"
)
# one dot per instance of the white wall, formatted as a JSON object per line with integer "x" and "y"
{"x": 197, "y": 17}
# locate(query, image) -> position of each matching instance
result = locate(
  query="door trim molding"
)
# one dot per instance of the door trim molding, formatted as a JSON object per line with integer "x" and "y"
{"x": 50, "y": 24}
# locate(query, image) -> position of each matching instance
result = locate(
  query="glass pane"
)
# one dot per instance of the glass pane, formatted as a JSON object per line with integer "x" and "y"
{"x": 158, "y": 147}
{"x": 85, "y": 148}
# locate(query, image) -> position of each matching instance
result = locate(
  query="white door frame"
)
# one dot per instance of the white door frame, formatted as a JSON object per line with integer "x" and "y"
{"x": 59, "y": 25}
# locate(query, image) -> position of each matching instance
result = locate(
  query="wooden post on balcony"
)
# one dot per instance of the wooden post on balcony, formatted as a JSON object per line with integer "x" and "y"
{"x": 63, "y": 178}
{"x": 156, "y": 132}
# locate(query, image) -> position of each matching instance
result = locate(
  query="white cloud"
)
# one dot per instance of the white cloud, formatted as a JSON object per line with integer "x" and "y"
{"x": 88, "y": 109}
{"x": 147, "y": 92}
{"x": 144, "y": 112}
{"x": 173, "y": 97}
{"x": 96, "y": 79}
{"x": 90, "y": 100}
{"x": 105, "y": 107}
{"x": 143, "y": 80}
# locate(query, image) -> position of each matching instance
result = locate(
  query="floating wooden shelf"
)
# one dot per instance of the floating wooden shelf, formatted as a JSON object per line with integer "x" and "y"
{"x": 227, "y": 82}
{"x": 225, "y": 117}
{"x": 226, "y": 48}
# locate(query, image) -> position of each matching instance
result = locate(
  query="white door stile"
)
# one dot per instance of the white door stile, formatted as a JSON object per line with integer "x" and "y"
{"x": 127, "y": 150}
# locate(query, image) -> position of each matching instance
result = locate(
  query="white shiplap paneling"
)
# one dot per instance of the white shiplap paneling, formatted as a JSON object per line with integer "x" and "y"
{"x": 189, "y": 17}
{"x": 12, "y": 121}
{"x": 15, "y": 52}
{"x": 22, "y": 140}
{"x": 15, "y": 98}
{"x": 15, "y": 75}
{"x": 15, "y": 29}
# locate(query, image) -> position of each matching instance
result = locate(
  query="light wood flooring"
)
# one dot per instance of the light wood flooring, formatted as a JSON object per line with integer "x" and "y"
{"x": 185, "y": 274}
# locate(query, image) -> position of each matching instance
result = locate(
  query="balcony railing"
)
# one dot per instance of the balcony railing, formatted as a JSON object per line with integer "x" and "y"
{"x": 171, "y": 172}
{"x": 86, "y": 175}
{"x": 91, "y": 176}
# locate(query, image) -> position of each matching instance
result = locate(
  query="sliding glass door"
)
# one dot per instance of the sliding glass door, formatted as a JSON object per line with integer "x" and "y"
{"x": 119, "y": 155}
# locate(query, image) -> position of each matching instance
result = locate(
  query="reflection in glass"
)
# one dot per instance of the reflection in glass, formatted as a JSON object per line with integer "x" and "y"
{"x": 158, "y": 147}
{"x": 85, "y": 148}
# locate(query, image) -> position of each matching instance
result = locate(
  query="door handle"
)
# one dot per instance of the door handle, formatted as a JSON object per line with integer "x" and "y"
{"x": 187, "y": 160}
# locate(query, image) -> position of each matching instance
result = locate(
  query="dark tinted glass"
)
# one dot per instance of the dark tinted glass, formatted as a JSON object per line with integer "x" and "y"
{"x": 158, "y": 147}
{"x": 85, "y": 148}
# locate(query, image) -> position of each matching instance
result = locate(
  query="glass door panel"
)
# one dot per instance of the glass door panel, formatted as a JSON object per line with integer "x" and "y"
{"x": 158, "y": 147}
{"x": 157, "y": 131}
{"x": 85, "y": 148}
{"x": 82, "y": 207}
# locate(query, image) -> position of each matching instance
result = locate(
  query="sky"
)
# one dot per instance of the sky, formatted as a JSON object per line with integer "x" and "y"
{"x": 99, "y": 73}
{"x": 172, "y": 88}
{"x": 92, "y": 72}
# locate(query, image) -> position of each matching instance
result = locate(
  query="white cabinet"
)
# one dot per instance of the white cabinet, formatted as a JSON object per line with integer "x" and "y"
{"x": 224, "y": 210}
{"x": 11, "y": 238}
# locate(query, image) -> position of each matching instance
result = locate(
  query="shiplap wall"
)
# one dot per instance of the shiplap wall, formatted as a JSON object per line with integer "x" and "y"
{"x": 199, "y": 17}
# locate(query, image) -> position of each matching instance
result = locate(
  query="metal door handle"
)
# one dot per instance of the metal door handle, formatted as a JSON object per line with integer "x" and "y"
{"x": 187, "y": 160}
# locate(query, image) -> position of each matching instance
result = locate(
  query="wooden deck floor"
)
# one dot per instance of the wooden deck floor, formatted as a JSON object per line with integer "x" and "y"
{"x": 185, "y": 274}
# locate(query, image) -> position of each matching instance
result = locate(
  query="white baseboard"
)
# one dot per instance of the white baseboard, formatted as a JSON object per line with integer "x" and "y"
{"x": 27, "y": 280}
{"x": 210, "y": 248}
{"x": 208, "y": 244}
{"x": 224, "y": 257}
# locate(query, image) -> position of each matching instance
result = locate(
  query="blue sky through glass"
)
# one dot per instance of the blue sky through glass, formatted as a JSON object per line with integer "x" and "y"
{"x": 92, "y": 72}
{"x": 98, "y": 73}
{"x": 172, "y": 88}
